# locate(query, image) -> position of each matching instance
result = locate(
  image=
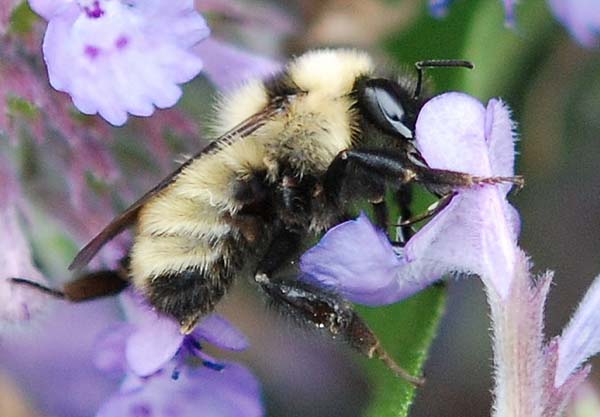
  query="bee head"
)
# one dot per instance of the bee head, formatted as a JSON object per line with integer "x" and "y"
{"x": 388, "y": 106}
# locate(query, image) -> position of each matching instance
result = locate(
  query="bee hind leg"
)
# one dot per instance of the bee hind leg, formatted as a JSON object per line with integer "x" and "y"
{"x": 90, "y": 286}
{"x": 317, "y": 308}
{"x": 313, "y": 307}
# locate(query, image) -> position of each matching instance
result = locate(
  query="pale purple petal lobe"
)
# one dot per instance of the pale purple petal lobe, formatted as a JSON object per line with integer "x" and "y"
{"x": 475, "y": 233}
{"x": 152, "y": 346}
{"x": 219, "y": 332}
{"x": 358, "y": 261}
{"x": 581, "y": 18}
{"x": 232, "y": 392}
{"x": 228, "y": 66}
{"x": 123, "y": 57}
{"x": 450, "y": 134}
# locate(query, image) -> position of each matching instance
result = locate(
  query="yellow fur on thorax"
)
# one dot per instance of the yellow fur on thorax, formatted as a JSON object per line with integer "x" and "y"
{"x": 179, "y": 227}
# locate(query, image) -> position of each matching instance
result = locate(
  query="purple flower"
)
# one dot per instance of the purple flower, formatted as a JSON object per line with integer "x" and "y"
{"x": 51, "y": 359}
{"x": 159, "y": 378}
{"x": 439, "y": 9}
{"x": 115, "y": 57}
{"x": 148, "y": 341}
{"x": 476, "y": 233}
{"x": 232, "y": 392}
{"x": 581, "y": 18}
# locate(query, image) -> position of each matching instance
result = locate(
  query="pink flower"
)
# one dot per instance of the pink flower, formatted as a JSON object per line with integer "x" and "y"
{"x": 115, "y": 57}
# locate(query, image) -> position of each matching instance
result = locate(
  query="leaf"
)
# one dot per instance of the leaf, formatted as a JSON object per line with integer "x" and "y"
{"x": 406, "y": 331}
{"x": 430, "y": 38}
{"x": 22, "y": 19}
{"x": 510, "y": 64}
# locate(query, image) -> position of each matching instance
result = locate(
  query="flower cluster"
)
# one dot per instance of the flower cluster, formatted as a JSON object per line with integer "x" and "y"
{"x": 166, "y": 373}
{"x": 476, "y": 233}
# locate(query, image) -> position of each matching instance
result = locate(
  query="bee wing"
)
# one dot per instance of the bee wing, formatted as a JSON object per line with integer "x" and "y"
{"x": 129, "y": 216}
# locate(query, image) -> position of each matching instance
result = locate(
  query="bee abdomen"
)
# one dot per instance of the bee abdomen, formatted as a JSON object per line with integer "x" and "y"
{"x": 189, "y": 294}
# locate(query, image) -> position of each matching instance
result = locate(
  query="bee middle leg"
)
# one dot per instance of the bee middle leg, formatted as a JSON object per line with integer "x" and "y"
{"x": 312, "y": 306}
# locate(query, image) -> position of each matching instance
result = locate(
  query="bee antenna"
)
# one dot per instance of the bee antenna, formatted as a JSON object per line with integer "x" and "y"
{"x": 37, "y": 286}
{"x": 437, "y": 63}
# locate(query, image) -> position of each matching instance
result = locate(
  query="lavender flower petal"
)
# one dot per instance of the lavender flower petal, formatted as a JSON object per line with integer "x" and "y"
{"x": 454, "y": 131}
{"x": 53, "y": 360}
{"x": 110, "y": 349}
{"x": 151, "y": 346}
{"x": 363, "y": 272}
{"x": 581, "y": 337}
{"x": 439, "y": 8}
{"x": 233, "y": 392}
{"x": 219, "y": 332}
{"x": 581, "y": 18}
{"x": 155, "y": 339}
{"x": 476, "y": 232}
{"x": 228, "y": 66}
{"x": 123, "y": 57}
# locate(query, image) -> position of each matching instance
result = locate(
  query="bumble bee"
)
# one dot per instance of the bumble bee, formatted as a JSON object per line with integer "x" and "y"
{"x": 292, "y": 152}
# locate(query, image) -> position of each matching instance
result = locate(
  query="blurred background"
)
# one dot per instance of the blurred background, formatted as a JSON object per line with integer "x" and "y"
{"x": 551, "y": 83}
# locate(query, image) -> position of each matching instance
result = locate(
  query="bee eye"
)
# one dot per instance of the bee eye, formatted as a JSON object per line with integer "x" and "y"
{"x": 388, "y": 107}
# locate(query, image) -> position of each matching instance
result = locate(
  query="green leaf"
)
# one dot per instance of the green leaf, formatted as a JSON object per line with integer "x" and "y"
{"x": 430, "y": 38}
{"x": 505, "y": 59}
{"x": 18, "y": 106}
{"x": 22, "y": 19}
{"x": 406, "y": 331}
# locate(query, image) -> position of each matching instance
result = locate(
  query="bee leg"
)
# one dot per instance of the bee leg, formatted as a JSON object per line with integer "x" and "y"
{"x": 404, "y": 199}
{"x": 395, "y": 170}
{"x": 316, "y": 308}
{"x": 311, "y": 306}
{"x": 90, "y": 286}
{"x": 434, "y": 209}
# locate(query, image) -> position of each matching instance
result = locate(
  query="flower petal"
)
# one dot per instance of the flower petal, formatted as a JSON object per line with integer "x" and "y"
{"x": 450, "y": 134}
{"x": 152, "y": 345}
{"x": 155, "y": 339}
{"x": 219, "y": 332}
{"x": 476, "y": 233}
{"x": 47, "y": 8}
{"x": 228, "y": 66}
{"x": 126, "y": 60}
{"x": 581, "y": 337}
{"x": 232, "y": 392}
{"x": 109, "y": 355}
{"x": 581, "y": 18}
{"x": 364, "y": 271}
